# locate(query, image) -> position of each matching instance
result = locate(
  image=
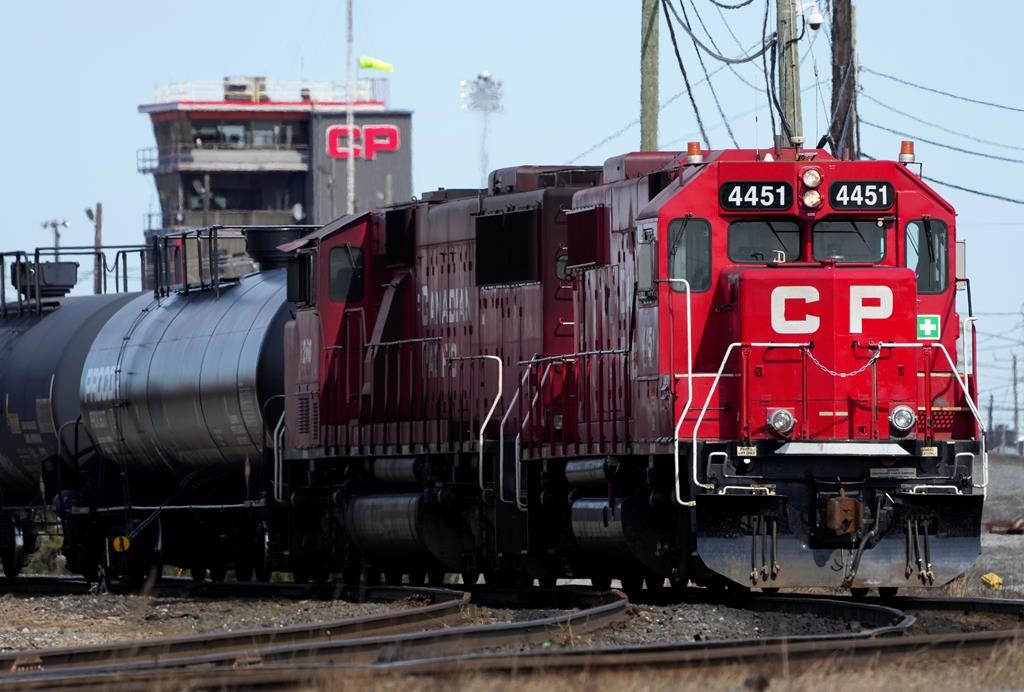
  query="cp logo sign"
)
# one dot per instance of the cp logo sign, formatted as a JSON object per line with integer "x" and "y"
{"x": 365, "y": 143}
{"x": 866, "y": 303}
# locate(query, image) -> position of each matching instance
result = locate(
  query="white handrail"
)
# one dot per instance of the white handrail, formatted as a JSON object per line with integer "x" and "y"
{"x": 519, "y": 457}
{"x": 278, "y": 460}
{"x": 494, "y": 405}
{"x": 711, "y": 391}
{"x": 967, "y": 397}
{"x": 501, "y": 436}
{"x": 963, "y": 346}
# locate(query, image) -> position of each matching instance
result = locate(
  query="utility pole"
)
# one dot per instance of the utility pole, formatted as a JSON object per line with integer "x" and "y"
{"x": 649, "y": 77}
{"x": 787, "y": 12}
{"x": 1016, "y": 407}
{"x": 97, "y": 242}
{"x": 991, "y": 401}
{"x": 350, "y": 122}
{"x": 843, "y": 128}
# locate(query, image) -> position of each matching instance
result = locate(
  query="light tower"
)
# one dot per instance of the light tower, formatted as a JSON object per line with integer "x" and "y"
{"x": 56, "y": 225}
{"x": 482, "y": 95}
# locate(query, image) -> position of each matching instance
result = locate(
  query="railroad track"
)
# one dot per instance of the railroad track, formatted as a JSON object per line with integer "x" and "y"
{"x": 354, "y": 647}
{"x": 340, "y": 643}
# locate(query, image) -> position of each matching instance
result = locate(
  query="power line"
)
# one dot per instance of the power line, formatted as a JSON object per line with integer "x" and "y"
{"x": 944, "y": 183}
{"x": 714, "y": 43}
{"x": 951, "y": 147}
{"x": 682, "y": 69}
{"x": 714, "y": 54}
{"x": 943, "y": 93}
{"x": 940, "y": 127}
{"x": 707, "y": 77}
{"x": 716, "y": 3}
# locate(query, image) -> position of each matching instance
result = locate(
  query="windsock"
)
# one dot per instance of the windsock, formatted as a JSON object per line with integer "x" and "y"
{"x": 368, "y": 63}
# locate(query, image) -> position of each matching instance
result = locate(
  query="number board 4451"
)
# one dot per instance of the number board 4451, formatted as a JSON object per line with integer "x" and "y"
{"x": 756, "y": 195}
{"x": 861, "y": 194}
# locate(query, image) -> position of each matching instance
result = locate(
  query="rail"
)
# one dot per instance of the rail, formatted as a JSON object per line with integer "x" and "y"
{"x": 805, "y": 350}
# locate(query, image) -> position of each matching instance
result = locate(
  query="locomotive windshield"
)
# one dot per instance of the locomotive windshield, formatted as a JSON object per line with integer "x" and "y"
{"x": 849, "y": 241}
{"x": 927, "y": 254}
{"x": 764, "y": 241}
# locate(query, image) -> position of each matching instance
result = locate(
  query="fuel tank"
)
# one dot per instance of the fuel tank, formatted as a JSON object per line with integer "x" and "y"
{"x": 175, "y": 388}
{"x": 41, "y": 358}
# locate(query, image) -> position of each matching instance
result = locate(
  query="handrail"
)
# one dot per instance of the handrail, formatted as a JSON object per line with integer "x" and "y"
{"x": 711, "y": 391}
{"x": 689, "y": 388}
{"x": 279, "y": 474}
{"x": 501, "y": 435}
{"x": 982, "y": 433}
{"x": 494, "y": 405}
{"x": 522, "y": 426}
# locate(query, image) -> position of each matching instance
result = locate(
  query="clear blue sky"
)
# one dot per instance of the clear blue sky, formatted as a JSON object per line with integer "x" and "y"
{"x": 74, "y": 72}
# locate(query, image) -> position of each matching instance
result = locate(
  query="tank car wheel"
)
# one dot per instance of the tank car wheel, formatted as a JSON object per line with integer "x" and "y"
{"x": 859, "y": 591}
{"x": 417, "y": 578}
{"x": 198, "y": 573}
{"x": 632, "y": 584}
{"x": 436, "y": 577}
{"x": 13, "y": 556}
{"x": 601, "y": 583}
{"x": 218, "y": 573}
{"x": 548, "y": 582}
{"x": 393, "y": 577}
{"x": 300, "y": 575}
{"x": 770, "y": 590}
{"x": 654, "y": 583}
{"x": 888, "y": 591}
{"x": 470, "y": 578}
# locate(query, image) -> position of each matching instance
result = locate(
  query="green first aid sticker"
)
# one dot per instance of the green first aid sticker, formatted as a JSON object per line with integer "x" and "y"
{"x": 928, "y": 327}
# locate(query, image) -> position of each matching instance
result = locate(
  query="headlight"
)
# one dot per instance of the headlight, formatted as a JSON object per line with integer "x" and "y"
{"x": 902, "y": 418}
{"x": 811, "y": 199}
{"x": 811, "y": 177}
{"x": 781, "y": 421}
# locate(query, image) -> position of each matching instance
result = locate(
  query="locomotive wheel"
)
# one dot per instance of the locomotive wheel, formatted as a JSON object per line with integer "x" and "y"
{"x": 859, "y": 591}
{"x": 888, "y": 591}
{"x": 300, "y": 575}
{"x": 436, "y": 577}
{"x": 393, "y": 577}
{"x": 218, "y": 573}
{"x": 417, "y": 578}
{"x": 198, "y": 573}
{"x": 470, "y": 578}
{"x": 244, "y": 570}
{"x": 13, "y": 556}
{"x": 601, "y": 583}
{"x": 770, "y": 590}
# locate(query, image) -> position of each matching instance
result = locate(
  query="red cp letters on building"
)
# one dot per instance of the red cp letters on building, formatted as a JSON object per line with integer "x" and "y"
{"x": 365, "y": 143}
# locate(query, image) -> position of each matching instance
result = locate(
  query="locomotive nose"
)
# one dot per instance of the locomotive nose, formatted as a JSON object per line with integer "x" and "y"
{"x": 834, "y": 379}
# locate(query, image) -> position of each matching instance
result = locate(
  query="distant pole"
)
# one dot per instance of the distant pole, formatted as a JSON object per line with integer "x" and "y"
{"x": 843, "y": 128}
{"x": 649, "y": 76}
{"x": 96, "y": 216}
{"x": 1017, "y": 415}
{"x": 55, "y": 225}
{"x": 786, "y": 12}
{"x": 350, "y": 122}
{"x": 991, "y": 402}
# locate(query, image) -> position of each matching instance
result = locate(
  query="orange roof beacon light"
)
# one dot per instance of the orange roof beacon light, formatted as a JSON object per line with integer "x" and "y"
{"x": 693, "y": 153}
{"x": 907, "y": 151}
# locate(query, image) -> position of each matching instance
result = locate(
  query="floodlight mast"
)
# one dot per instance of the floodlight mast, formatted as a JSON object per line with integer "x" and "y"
{"x": 482, "y": 95}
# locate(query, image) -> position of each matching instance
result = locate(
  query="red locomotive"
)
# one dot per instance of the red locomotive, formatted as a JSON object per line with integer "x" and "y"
{"x": 726, "y": 367}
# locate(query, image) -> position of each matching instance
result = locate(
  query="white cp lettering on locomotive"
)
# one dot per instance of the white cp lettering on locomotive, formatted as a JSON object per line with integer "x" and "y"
{"x": 866, "y": 303}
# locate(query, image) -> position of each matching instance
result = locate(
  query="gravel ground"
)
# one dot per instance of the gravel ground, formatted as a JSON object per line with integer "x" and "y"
{"x": 56, "y": 621}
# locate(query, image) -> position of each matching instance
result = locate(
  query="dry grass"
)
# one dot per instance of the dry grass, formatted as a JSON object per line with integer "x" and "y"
{"x": 924, "y": 672}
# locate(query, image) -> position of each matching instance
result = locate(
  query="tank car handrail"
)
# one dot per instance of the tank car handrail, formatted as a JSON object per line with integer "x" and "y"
{"x": 982, "y": 432}
{"x": 494, "y": 404}
{"x": 278, "y": 460}
{"x": 711, "y": 391}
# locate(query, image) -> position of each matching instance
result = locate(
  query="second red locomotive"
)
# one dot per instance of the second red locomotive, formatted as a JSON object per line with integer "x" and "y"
{"x": 726, "y": 367}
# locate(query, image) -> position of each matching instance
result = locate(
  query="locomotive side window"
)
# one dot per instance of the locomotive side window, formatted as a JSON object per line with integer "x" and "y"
{"x": 928, "y": 254}
{"x": 764, "y": 241}
{"x": 346, "y": 267}
{"x": 849, "y": 241}
{"x": 689, "y": 253}
{"x": 506, "y": 248}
